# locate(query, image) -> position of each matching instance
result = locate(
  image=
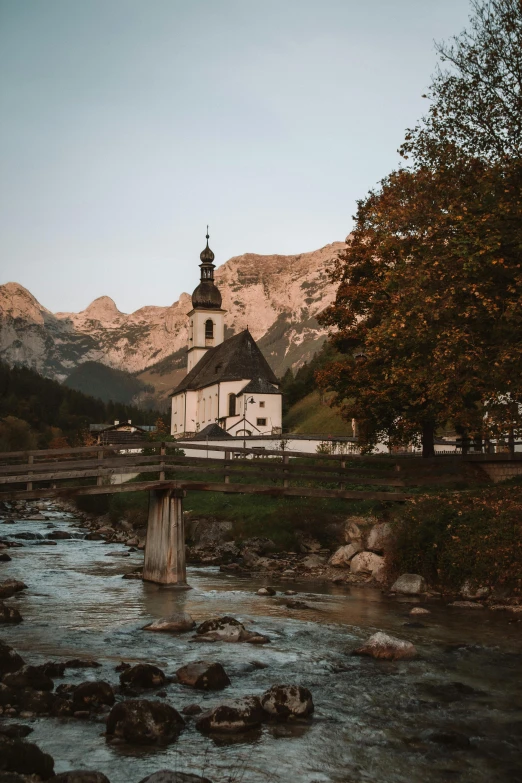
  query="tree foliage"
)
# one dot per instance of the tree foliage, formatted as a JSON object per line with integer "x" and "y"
{"x": 427, "y": 312}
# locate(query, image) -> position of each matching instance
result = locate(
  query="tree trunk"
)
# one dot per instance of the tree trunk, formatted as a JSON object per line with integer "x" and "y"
{"x": 428, "y": 440}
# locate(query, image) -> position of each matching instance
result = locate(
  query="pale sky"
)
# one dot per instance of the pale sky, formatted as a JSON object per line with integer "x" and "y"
{"x": 128, "y": 125}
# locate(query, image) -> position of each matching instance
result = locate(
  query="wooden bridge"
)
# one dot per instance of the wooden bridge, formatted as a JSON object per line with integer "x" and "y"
{"x": 163, "y": 470}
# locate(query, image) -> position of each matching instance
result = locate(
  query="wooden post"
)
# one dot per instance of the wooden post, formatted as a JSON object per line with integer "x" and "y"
{"x": 286, "y": 459}
{"x": 30, "y": 460}
{"x": 163, "y": 451}
{"x": 99, "y": 479}
{"x": 227, "y": 459}
{"x": 165, "y": 546}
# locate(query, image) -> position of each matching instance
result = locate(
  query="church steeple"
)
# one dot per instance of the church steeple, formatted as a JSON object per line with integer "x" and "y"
{"x": 206, "y": 296}
{"x": 207, "y": 325}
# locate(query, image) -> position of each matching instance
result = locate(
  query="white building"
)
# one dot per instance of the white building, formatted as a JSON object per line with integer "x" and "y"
{"x": 229, "y": 382}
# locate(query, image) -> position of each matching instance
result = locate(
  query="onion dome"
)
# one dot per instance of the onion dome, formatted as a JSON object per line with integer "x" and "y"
{"x": 207, "y": 296}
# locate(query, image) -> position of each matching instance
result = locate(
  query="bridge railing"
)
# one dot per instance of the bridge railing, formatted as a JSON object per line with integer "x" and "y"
{"x": 156, "y": 464}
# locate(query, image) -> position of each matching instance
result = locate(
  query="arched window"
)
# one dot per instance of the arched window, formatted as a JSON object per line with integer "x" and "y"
{"x": 231, "y": 404}
{"x": 209, "y": 329}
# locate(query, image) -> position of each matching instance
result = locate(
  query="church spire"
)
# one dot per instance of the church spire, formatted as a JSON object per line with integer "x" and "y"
{"x": 207, "y": 296}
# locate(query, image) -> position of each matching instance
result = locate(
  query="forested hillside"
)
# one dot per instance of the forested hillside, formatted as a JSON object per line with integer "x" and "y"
{"x": 106, "y": 383}
{"x": 36, "y": 412}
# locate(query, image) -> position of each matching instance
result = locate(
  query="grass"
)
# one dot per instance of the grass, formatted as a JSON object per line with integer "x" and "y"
{"x": 310, "y": 416}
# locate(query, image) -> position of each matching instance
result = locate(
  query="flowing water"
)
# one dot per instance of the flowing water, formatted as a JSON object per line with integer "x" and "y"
{"x": 374, "y": 721}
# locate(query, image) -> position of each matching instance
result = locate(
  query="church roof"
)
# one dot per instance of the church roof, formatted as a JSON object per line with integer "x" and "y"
{"x": 211, "y": 432}
{"x": 259, "y": 385}
{"x": 232, "y": 360}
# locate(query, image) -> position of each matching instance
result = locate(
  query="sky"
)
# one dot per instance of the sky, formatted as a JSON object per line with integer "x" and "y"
{"x": 128, "y": 125}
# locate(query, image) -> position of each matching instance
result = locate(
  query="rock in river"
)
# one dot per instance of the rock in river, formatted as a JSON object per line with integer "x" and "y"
{"x": 232, "y": 717}
{"x": 228, "y": 629}
{"x": 167, "y": 776}
{"x": 409, "y": 584}
{"x": 144, "y": 722}
{"x": 93, "y": 695}
{"x": 28, "y": 677}
{"x": 8, "y": 614}
{"x": 10, "y": 661}
{"x": 11, "y": 586}
{"x": 143, "y": 675}
{"x": 266, "y": 591}
{"x": 287, "y": 701}
{"x": 25, "y": 758}
{"x": 387, "y": 648}
{"x": 80, "y": 776}
{"x": 203, "y": 675}
{"x": 175, "y": 623}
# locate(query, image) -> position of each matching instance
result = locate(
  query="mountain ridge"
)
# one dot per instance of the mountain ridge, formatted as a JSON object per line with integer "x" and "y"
{"x": 278, "y": 297}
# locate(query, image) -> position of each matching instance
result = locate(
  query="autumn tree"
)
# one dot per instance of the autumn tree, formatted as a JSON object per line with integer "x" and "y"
{"x": 427, "y": 309}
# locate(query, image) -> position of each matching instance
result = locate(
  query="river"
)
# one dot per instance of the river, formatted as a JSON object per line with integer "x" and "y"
{"x": 374, "y": 722}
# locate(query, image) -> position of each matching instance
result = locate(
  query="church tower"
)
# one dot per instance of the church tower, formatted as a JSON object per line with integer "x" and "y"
{"x": 206, "y": 319}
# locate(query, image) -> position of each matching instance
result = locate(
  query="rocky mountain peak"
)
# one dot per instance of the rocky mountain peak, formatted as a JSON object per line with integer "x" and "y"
{"x": 17, "y": 302}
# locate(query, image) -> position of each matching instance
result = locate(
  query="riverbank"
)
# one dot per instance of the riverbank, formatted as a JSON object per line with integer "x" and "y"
{"x": 450, "y": 710}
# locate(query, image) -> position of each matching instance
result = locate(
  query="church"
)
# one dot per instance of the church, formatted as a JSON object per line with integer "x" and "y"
{"x": 229, "y": 388}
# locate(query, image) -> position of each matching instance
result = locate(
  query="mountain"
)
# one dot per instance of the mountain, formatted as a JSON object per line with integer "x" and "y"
{"x": 277, "y": 297}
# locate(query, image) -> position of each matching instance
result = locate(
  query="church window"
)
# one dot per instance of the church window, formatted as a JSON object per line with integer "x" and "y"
{"x": 209, "y": 329}
{"x": 261, "y": 422}
{"x": 231, "y": 404}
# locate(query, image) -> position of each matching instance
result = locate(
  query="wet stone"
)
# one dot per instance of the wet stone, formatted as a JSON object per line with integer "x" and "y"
{"x": 81, "y": 663}
{"x": 143, "y": 675}
{"x": 203, "y": 675}
{"x": 144, "y": 722}
{"x": 10, "y": 661}
{"x": 15, "y": 730}
{"x": 93, "y": 695}
{"x": 191, "y": 709}
{"x": 232, "y": 717}
{"x": 16, "y": 755}
{"x": 168, "y": 776}
{"x": 28, "y": 677}
{"x": 80, "y": 776}
{"x": 287, "y": 701}
{"x": 9, "y": 614}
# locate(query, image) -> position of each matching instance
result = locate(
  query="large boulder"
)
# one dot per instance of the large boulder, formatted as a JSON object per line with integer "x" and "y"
{"x": 8, "y": 614}
{"x": 143, "y": 722}
{"x": 232, "y": 717}
{"x": 143, "y": 675}
{"x": 287, "y": 701}
{"x": 203, "y": 675}
{"x": 28, "y": 677}
{"x": 385, "y": 647}
{"x": 9, "y": 587}
{"x": 409, "y": 584}
{"x": 368, "y": 563}
{"x": 10, "y": 661}
{"x": 342, "y": 557}
{"x": 80, "y": 776}
{"x": 174, "y": 623}
{"x": 379, "y": 538}
{"x": 167, "y": 776}
{"x": 93, "y": 695}
{"x": 24, "y": 758}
